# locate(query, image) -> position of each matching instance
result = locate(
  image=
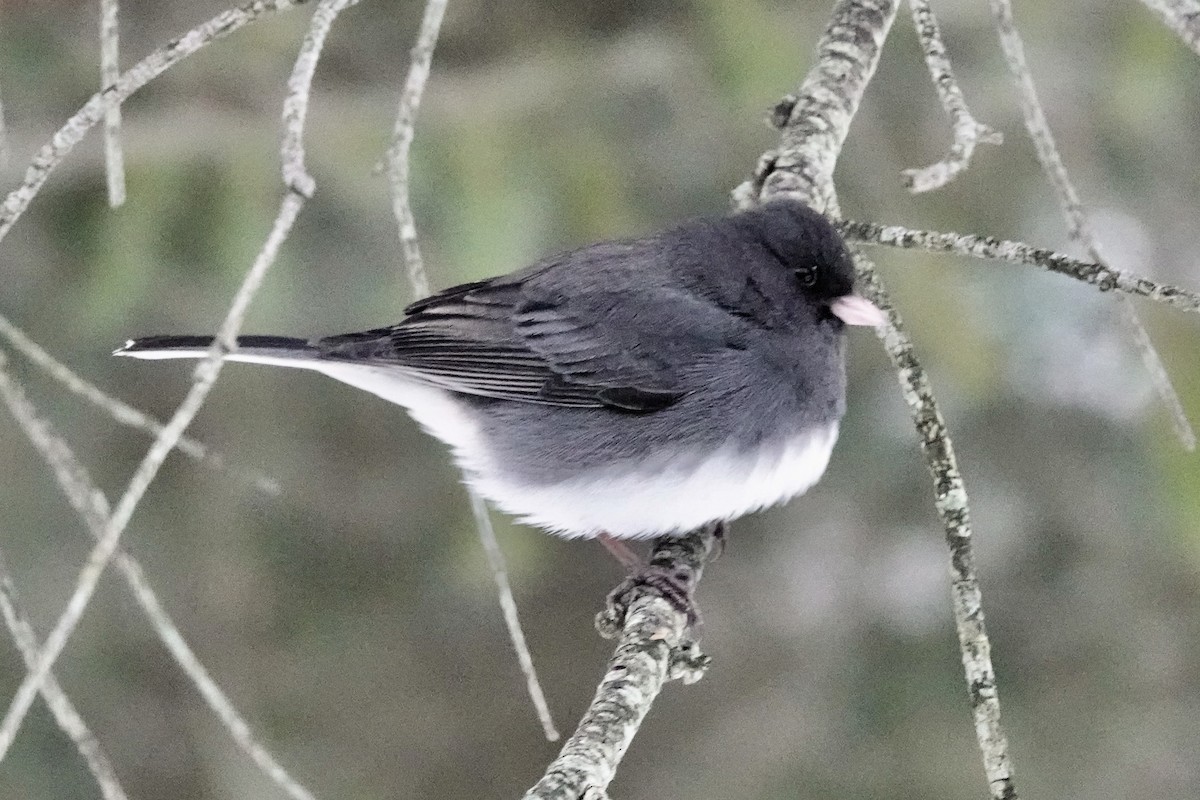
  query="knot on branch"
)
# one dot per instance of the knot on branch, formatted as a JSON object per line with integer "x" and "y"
{"x": 781, "y": 112}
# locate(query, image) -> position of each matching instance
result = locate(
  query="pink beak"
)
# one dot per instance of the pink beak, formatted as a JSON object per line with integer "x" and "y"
{"x": 855, "y": 310}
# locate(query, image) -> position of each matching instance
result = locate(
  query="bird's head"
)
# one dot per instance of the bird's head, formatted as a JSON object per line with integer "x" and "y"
{"x": 809, "y": 247}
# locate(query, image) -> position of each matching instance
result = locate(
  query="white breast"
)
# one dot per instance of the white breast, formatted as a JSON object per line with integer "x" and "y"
{"x": 656, "y": 500}
{"x": 648, "y": 503}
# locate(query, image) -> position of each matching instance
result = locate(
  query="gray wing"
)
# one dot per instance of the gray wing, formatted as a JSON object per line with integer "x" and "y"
{"x": 525, "y": 338}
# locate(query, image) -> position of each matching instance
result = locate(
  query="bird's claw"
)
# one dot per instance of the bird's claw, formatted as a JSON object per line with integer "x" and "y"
{"x": 673, "y": 585}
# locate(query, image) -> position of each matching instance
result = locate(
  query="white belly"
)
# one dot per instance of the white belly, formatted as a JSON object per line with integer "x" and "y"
{"x": 645, "y": 504}
{"x": 658, "y": 500}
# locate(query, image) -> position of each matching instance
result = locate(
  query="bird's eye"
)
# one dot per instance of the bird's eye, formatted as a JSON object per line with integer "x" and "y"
{"x": 807, "y": 276}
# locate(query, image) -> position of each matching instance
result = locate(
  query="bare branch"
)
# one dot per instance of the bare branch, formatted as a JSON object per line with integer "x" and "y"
{"x": 124, "y": 413}
{"x": 398, "y": 181}
{"x": 4, "y": 153}
{"x": 1181, "y": 16}
{"x": 953, "y": 507}
{"x": 508, "y": 606}
{"x": 966, "y": 130}
{"x": 817, "y": 118}
{"x": 89, "y": 576}
{"x": 60, "y": 705}
{"x": 146, "y": 70}
{"x": 65, "y": 714}
{"x": 397, "y": 155}
{"x": 299, "y": 186}
{"x": 650, "y": 651}
{"x": 110, "y": 70}
{"x": 92, "y": 506}
{"x": 1100, "y": 275}
{"x": 847, "y": 57}
{"x": 1072, "y": 210}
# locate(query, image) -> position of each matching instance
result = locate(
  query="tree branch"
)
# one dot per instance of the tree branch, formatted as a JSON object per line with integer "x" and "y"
{"x": 402, "y": 137}
{"x": 1181, "y": 16}
{"x": 92, "y": 506}
{"x": 299, "y": 186}
{"x": 397, "y": 158}
{"x": 803, "y": 168}
{"x": 146, "y": 70}
{"x": 966, "y": 130}
{"x": 817, "y": 118}
{"x": 124, "y": 413}
{"x": 651, "y": 650}
{"x": 1100, "y": 275}
{"x": 64, "y": 711}
{"x": 1073, "y": 212}
{"x": 110, "y": 70}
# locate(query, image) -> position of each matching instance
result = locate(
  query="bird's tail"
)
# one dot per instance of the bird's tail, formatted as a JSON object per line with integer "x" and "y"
{"x": 282, "y": 351}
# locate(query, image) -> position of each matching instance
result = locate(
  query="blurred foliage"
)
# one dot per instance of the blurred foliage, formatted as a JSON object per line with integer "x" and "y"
{"x": 352, "y": 618}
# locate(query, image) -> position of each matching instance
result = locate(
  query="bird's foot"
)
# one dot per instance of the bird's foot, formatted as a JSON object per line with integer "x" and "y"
{"x": 676, "y": 586}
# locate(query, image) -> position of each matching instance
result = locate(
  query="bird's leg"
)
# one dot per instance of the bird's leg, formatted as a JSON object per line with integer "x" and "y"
{"x": 620, "y": 551}
{"x": 720, "y": 531}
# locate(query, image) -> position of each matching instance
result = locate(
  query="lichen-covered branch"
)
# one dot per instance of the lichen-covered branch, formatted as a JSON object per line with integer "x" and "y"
{"x": 817, "y": 118}
{"x": 953, "y": 507}
{"x": 651, "y": 649}
{"x": 967, "y": 132}
{"x": 1073, "y": 212}
{"x": 847, "y": 57}
{"x": 1181, "y": 16}
{"x": 1100, "y": 275}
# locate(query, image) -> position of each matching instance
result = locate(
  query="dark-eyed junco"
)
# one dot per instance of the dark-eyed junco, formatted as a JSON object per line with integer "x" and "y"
{"x": 633, "y": 388}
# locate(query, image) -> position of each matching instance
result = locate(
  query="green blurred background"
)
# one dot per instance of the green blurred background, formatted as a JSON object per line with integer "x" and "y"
{"x": 352, "y": 617}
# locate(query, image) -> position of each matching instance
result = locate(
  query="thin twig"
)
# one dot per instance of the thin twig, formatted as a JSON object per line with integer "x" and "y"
{"x": 953, "y": 507}
{"x": 1072, "y": 210}
{"x": 299, "y": 186}
{"x": 73, "y": 130}
{"x": 508, "y": 607}
{"x": 207, "y": 371}
{"x": 110, "y": 70}
{"x": 93, "y": 508}
{"x": 64, "y": 711}
{"x": 402, "y": 137}
{"x": 4, "y": 152}
{"x": 124, "y": 413}
{"x": 966, "y": 130}
{"x": 398, "y": 181}
{"x": 818, "y": 123}
{"x": 85, "y": 585}
{"x": 1181, "y": 16}
{"x": 1100, "y": 275}
{"x": 651, "y": 650}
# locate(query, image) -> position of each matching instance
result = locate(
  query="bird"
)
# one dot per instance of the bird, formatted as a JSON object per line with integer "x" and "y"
{"x": 627, "y": 389}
